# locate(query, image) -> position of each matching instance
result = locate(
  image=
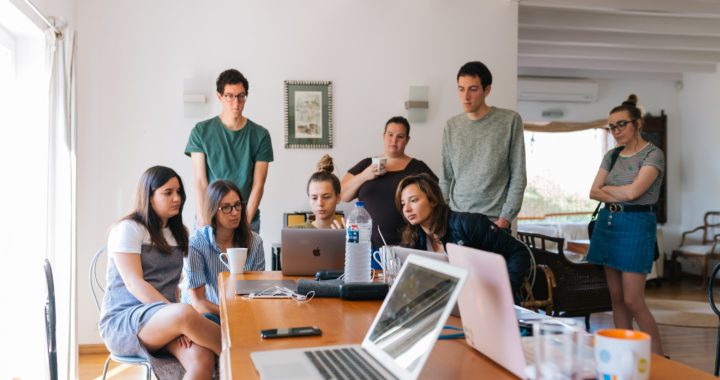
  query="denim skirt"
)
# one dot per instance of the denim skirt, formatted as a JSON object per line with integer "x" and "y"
{"x": 624, "y": 241}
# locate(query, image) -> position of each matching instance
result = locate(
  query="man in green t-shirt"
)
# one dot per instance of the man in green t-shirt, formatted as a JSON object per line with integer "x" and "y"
{"x": 231, "y": 147}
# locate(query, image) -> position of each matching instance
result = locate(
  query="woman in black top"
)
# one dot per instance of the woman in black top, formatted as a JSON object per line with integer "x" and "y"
{"x": 376, "y": 187}
{"x": 431, "y": 224}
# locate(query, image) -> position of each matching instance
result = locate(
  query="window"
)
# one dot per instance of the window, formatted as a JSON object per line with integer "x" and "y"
{"x": 561, "y": 167}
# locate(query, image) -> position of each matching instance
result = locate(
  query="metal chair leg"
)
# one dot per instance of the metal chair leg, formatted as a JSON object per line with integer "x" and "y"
{"x": 148, "y": 371}
{"x": 105, "y": 367}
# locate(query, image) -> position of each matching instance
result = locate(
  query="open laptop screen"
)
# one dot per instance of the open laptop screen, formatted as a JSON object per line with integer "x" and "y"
{"x": 404, "y": 330}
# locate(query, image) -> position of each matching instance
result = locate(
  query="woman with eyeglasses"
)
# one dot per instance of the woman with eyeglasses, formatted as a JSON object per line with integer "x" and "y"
{"x": 228, "y": 228}
{"x": 140, "y": 315}
{"x": 323, "y": 190}
{"x": 623, "y": 240}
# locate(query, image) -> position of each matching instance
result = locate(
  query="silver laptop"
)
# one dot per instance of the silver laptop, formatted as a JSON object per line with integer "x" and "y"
{"x": 244, "y": 287}
{"x": 399, "y": 340}
{"x": 489, "y": 318}
{"x": 304, "y": 251}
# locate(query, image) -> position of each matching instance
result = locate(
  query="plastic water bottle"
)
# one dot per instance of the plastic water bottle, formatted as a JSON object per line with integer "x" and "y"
{"x": 358, "y": 229}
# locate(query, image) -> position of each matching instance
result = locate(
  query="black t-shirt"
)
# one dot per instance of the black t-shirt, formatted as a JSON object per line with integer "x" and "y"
{"x": 379, "y": 197}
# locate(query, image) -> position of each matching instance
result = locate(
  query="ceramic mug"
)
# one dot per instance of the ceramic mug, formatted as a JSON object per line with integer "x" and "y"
{"x": 379, "y": 162}
{"x": 622, "y": 354}
{"x": 234, "y": 259}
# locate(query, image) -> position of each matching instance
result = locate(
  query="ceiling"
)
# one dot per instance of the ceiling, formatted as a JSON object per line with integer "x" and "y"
{"x": 649, "y": 39}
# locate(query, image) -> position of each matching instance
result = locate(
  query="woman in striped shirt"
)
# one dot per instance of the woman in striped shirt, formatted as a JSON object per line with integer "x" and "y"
{"x": 228, "y": 228}
{"x": 623, "y": 240}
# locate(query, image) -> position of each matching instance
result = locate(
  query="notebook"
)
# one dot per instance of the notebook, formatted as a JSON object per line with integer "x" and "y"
{"x": 305, "y": 251}
{"x": 399, "y": 340}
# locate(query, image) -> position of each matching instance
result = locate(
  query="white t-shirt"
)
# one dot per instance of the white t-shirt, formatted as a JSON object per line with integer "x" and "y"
{"x": 128, "y": 236}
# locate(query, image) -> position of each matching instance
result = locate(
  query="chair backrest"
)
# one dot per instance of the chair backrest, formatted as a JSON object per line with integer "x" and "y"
{"x": 540, "y": 241}
{"x": 711, "y": 226}
{"x": 96, "y": 286}
{"x": 50, "y": 321}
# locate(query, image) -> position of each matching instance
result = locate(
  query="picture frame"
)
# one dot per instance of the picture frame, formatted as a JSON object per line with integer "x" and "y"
{"x": 308, "y": 114}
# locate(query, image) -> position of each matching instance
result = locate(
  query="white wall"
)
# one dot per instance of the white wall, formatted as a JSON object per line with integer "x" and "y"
{"x": 654, "y": 96}
{"x": 135, "y": 55}
{"x": 700, "y": 150}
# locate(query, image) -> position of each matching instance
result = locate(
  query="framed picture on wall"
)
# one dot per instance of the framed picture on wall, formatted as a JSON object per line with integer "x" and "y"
{"x": 308, "y": 114}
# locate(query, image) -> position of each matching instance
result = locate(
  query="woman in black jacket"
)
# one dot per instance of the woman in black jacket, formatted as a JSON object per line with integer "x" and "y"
{"x": 431, "y": 224}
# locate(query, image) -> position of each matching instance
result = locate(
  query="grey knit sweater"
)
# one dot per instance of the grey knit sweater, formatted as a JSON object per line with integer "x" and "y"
{"x": 483, "y": 164}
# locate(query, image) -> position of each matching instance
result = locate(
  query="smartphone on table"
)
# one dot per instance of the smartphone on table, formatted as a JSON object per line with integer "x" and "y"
{"x": 290, "y": 332}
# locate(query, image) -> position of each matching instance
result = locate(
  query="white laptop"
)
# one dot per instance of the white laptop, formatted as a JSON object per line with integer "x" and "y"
{"x": 489, "y": 318}
{"x": 486, "y": 307}
{"x": 305, "y": 251}
{"x": 399, "y": 340}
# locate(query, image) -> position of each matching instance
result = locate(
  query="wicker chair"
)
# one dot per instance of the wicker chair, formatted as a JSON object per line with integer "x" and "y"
{"x": 576, "y": 289}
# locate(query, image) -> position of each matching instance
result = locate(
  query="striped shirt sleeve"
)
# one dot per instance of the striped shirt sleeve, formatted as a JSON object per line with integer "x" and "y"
{"x": 196, "y": 262}
{"x": 256, "y": 254}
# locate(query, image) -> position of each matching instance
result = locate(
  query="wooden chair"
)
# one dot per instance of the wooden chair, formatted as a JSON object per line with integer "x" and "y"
{"x": 576, "y": 288}
{"x": 708, "y": 247}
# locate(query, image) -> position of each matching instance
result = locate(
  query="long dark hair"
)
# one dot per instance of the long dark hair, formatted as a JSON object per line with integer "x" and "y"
{"x": 242, "y": 236}
{"x": 324, "y": 173}
{"x": 153, "y": 179}
{"x": 440, "y": 211}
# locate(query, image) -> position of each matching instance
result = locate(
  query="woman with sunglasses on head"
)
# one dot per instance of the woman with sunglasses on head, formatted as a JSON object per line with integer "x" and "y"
{"x": 228, "y": 228}
{"x": 623, "y": 240}
{"x": 431, "y": 224}
{"x": 323, "y": 190}
{"x": 140, "y": 315}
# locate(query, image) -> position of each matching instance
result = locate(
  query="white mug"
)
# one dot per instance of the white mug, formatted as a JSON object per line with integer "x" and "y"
{"x": 236, "y": 258}
{"x": 379, "y": 162}
{"x": 622, "y": 354}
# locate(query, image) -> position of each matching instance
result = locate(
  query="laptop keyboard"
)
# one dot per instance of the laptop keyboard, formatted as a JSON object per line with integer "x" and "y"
{"x": 345, "y": 364}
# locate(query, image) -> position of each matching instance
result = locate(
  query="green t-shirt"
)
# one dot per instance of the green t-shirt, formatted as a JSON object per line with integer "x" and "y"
{"x": 231, "y": 155}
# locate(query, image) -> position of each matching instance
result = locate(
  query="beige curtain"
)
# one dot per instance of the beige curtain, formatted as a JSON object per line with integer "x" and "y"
{"x": 560, "y": 126}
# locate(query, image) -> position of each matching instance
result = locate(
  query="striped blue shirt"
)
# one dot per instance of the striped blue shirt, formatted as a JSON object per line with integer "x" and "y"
{"x": 203, "y": 263}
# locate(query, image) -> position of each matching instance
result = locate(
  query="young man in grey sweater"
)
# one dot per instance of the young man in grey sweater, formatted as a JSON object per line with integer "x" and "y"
{"x": 483, "y": 152}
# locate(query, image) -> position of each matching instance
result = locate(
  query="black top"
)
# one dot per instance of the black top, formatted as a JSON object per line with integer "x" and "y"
{"x": 379, "y": 197}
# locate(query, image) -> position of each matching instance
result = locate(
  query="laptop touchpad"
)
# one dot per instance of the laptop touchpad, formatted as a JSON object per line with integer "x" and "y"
{"x": 290, "y": 370}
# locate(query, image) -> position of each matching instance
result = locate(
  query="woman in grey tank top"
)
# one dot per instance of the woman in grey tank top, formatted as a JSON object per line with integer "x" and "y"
{"x": 623, "y": 240}
{"x": 140, "y": 315}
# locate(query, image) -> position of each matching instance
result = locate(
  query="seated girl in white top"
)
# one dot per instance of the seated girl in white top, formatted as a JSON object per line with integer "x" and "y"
{"x": 140, "y": 316}
{"x": 323, "y": 190}
{"x": 228, "y": 228}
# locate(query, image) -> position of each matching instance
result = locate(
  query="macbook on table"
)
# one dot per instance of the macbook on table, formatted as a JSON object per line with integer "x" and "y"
{"x": 305, "y": 251}
{"x": 399, "y": 340}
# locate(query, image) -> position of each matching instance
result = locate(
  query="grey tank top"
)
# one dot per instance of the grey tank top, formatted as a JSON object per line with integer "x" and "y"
{"x": 161, "y": 270}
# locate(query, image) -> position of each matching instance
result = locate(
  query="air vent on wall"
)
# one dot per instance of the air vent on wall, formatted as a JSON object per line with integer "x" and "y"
{"x": 557, "y": 90}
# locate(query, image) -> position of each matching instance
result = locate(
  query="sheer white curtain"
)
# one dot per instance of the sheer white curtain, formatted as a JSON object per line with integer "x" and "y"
{"x": 61, "y": 195}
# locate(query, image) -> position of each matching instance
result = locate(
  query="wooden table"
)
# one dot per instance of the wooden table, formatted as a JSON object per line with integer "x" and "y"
{"x": 578, "y": 246}
{"x": 346, "y": 322}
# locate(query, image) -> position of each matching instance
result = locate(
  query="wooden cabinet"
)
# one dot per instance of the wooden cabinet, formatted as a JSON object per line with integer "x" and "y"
{"x": 655, "y": 131}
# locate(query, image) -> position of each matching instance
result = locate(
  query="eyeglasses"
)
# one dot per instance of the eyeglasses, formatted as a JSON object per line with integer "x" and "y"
{"x": 226, "y": 209}
{"x": 620, "y": 125}
{"x": 231, "y": 97}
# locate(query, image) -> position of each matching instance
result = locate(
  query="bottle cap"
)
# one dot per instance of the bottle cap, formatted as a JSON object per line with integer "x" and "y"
{"x": 359, "y": 204}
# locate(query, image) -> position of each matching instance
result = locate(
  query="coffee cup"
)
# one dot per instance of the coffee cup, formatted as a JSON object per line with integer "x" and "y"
{"x": 622, "y": 354}
{"x": 234, "y": 259}
{"x": 379, "y": 163}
